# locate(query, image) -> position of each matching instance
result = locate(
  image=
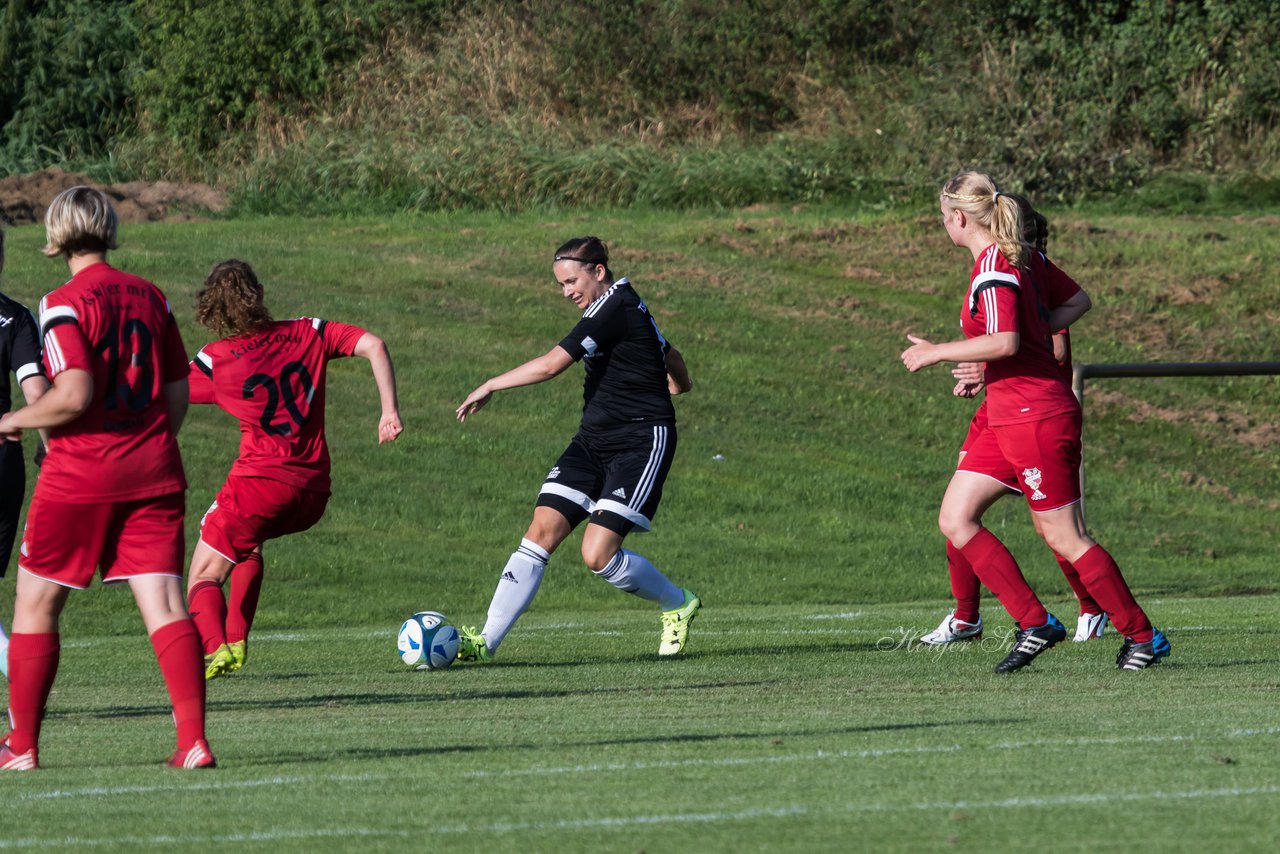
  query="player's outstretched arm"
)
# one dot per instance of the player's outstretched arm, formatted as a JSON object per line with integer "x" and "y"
{"x": 982, "y": 348}
{"x": 374, "y": 349}
{"x": 678, "y": 379}
{"x": 548, "y": 365}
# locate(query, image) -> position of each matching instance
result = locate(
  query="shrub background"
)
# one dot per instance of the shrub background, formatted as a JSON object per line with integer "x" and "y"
{"x": 323, "y": 105}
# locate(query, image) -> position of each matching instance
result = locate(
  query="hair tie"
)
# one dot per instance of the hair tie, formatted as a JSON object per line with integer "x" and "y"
{"x": 995, "y": 197}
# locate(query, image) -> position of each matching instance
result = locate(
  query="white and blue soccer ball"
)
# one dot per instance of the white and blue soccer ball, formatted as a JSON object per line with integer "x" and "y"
{"x": 428, "y": 641}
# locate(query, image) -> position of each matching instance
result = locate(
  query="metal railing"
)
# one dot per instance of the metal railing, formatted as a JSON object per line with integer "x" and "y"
{"x": 1165, "y": 369}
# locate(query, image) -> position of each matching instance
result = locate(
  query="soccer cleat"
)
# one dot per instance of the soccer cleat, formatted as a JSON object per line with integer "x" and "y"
{"x": 472, "y": 646}
{"x": 239, "y": 652}
{"x": 218, "y": 663}
{"x": 1030, "y": 643}
{"x": 10, "y": 761}
{"x": 675, "y": 624}
{"x": 951, "y": 630}
{"x": 1090, "y": 626}
{"x": 196, "y": 756}
{"x": 1139, "y": 656}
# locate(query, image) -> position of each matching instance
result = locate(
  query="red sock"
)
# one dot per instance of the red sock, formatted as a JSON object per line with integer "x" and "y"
{"x": 1102, "y": 577}
{"x": 177, "y": 647}
{"x": 1087, "y": 603}
{"x": 964, "y": 585}
{"x": 998, "y": 570}
{"x": 246, "y": 584}
{"x": 33, "y": 662}
{"x": 209, "y": 611}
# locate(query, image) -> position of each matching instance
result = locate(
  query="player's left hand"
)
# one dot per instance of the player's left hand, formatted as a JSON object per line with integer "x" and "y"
{"x": 919, "y": 355}
{"x": 389, "y": 427}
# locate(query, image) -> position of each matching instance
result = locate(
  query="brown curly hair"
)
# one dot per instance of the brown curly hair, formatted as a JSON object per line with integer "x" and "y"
{"x": 231, "y": 301}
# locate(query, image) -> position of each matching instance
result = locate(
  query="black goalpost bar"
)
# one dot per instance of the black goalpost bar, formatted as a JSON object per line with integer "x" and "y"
{"x": 1164, "y": 369}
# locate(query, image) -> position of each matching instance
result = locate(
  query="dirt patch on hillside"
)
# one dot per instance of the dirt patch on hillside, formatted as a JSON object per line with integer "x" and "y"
{"x": 1233, "y": 425}
{"x": 24, "y": 198}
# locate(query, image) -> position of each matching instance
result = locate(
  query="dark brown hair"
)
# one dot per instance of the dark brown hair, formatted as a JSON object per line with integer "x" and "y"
{"x": 586, "y": 250}
{"x": 231, "y": 301}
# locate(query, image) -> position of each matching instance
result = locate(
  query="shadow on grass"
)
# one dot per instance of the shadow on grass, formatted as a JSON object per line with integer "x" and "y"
{"x": 360, "y": 753}
{"x": 341, "y": 700}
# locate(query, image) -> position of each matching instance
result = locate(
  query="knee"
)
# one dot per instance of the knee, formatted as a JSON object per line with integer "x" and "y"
{"x": 956, "y": 527}
{"x": 548, "y": 535}
{"x": 215, "y": 571}
{"x": 597, "y": 557}
{"x": 1065, "y": 542}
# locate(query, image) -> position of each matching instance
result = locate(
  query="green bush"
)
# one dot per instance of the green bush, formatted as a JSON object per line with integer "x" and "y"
{"x": 66, "y": 85}
{"x": 392, "y": 104}
{"x": 206, "y": 79}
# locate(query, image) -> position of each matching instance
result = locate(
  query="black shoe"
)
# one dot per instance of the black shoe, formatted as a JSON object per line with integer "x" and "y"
{"x": 1030, "y": 643}
{"x": 1140, "y": 656}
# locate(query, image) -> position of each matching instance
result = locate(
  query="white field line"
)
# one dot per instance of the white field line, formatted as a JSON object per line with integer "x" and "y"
{"x": 785, "y": 812}
{"x": 740, "y": 761}
{"x": 113, "y": 791}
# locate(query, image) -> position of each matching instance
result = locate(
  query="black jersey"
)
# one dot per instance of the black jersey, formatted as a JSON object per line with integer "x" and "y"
{"x": 626, "y": 361}
{"x": 19, "y": 347}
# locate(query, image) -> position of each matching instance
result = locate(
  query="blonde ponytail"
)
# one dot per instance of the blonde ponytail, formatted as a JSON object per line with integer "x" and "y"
{"x": 978, "y": 196}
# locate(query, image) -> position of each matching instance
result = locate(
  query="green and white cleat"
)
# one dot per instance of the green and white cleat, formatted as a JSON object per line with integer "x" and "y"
{"x": 239, "y": 654}
{"x": 471, "y": 646}
{"x": 675, "y": 624}
{"x": 218, "y": 663}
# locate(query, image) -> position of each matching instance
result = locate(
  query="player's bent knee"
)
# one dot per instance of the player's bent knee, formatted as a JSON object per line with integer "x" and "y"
{"x": 957, "y": 527}
{"x": 597, "y": 559}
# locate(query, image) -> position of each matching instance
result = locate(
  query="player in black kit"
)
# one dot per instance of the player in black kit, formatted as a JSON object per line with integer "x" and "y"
{"x": 19, "y": 353}
{"x": 614, "y": 468}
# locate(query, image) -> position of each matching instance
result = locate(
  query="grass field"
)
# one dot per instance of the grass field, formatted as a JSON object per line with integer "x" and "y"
{"x": 802, "y": 509}
{"x": 788, "y": 729}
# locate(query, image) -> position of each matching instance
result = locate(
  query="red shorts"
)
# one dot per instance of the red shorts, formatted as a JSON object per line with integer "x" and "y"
{"x": 66, "y": 543}
{"x": 981, "y": 454}
{"x": 1045, "y": 455}
{"x": 251, "y": 510}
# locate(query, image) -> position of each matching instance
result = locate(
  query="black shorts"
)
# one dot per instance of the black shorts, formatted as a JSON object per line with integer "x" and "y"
{"x": 616, "y": 480}
{"x": 13, "y": 482}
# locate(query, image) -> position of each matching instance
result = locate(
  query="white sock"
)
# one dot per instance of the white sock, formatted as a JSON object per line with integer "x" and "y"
{"x": 516, "y": 589}
{"x": 634, "y": 573}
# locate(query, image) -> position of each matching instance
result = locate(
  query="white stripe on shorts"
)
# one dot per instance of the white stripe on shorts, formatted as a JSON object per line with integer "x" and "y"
{"x": 651, "y": 469}
{"x": 580, "y": 498}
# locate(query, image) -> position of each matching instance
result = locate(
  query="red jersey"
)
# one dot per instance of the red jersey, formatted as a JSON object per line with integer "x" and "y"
{"x": 273, "y": 382}
{"x": 1027, "y": 386}
{"x": 120, "y": 329}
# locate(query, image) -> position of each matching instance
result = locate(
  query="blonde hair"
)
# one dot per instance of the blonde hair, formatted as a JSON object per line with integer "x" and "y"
{"x": 231, "y": 301}
{"x": 978, "y": 196}
{"x": 79, "y": 220}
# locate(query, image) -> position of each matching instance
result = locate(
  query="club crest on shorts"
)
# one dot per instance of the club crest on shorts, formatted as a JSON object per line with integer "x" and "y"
{"x": 1033, "y": 478}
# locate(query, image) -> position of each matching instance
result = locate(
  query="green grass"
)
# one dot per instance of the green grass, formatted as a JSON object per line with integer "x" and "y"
{"x": 772, "y": 735}
{"x": 784, "y": 729}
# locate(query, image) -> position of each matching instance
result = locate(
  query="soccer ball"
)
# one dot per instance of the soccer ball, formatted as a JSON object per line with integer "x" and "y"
{"x": 427, "y": 641}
